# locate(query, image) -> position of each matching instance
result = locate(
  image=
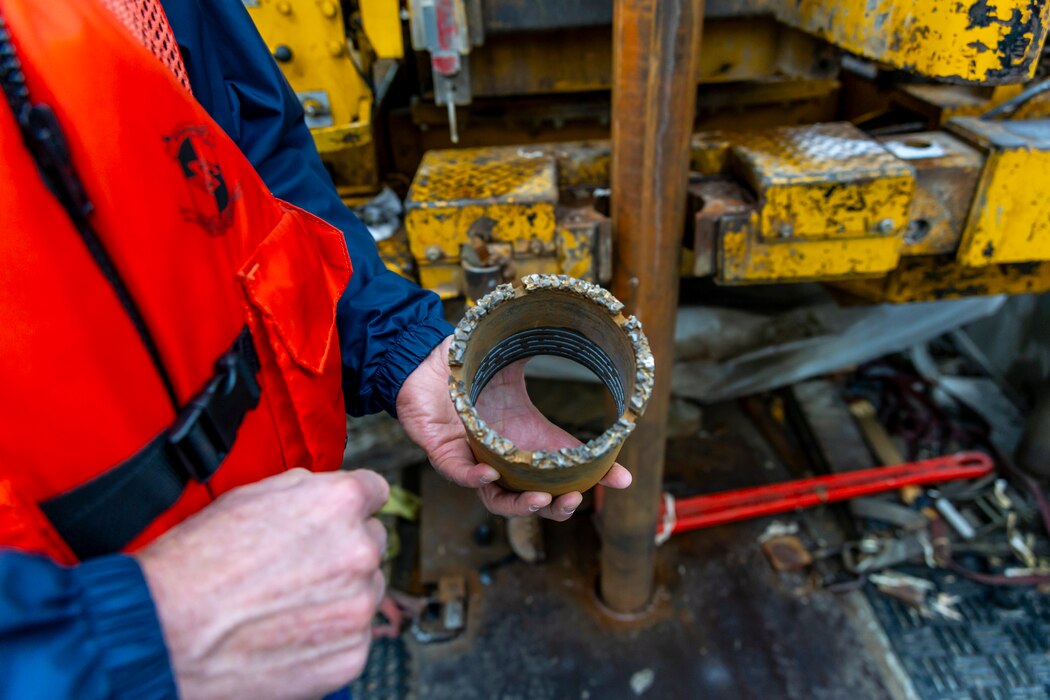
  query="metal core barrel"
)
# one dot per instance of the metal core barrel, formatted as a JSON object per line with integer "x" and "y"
{"x": 550, "y": 315}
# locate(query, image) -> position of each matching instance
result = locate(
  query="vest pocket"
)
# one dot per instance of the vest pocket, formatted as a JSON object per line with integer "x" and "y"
{"x": 293, "y": 282}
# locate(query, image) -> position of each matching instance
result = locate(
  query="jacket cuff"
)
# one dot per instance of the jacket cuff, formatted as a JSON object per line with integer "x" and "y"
{"x": 411, "y": 348}
{"x": 120, "y": 612}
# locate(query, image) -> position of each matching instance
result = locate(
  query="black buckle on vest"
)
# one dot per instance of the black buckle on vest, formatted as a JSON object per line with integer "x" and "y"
{"x": 207, "y": 426}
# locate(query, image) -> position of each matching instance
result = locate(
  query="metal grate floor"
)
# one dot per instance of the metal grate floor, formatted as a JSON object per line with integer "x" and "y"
{"x": 1000, "y": 649}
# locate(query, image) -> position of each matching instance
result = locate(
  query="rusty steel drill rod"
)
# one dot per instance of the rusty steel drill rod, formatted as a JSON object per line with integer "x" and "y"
{"x": 656, "y": 51}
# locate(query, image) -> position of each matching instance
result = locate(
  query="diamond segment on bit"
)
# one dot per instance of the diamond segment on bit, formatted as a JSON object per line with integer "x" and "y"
{"x": 577, "y": 286}
{"x": 521, "y": 333}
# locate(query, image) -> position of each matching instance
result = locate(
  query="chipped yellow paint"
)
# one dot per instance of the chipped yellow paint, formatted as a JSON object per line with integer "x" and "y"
{"x": 744, "y": 257}
{"x": 381, "y": 20}
{"x": 394, "y": 253}
{"x": 582, "y": 163}
{"x": 320, "y": 60}
{"x": 452, "y": 190}
{"x": 939, "y": 277}
{"x": 575, "y": 253}
{"x": 940, "y": 236}
{"x": 350, "y": 155}
{"x": 314, "y": 32}
{"x": 1010, "y": 216}
{"x": 708, "y": 153}
{"x": 982, "y": 41}
{"x": 824, "y": 181}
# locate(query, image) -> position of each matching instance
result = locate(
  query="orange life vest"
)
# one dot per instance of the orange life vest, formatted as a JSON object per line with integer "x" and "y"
{"x": 202, "y": 252}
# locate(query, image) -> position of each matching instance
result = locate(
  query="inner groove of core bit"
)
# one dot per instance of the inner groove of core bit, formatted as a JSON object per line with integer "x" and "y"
{"x": 560, "y": 342}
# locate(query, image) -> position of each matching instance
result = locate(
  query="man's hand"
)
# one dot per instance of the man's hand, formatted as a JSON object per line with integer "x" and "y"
{"x": 429, "y": 418}
{"x": 270, "y": 591}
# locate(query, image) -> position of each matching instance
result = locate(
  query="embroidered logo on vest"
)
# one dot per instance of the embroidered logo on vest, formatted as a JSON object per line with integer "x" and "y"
{"x": 212, "y": 197}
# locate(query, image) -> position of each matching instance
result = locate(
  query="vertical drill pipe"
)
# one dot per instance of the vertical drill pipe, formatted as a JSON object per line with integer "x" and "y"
{"x": 656, "y": 51}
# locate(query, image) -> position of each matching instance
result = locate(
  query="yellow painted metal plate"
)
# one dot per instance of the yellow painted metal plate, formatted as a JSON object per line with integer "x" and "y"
{"x": 515, "y": 188}
{"x": 313, "y": 32}
{"x": 941, "y": 277}
{"x": 382, "y": 23}
{"x": 824, "y": 181}
{"x": 1010, "y": 217}
{"x": 318, "y": 62}
{"x": 745, "y": 257}
{"x": 980, "y": 41}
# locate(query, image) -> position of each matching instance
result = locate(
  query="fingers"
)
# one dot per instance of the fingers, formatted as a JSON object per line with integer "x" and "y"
{"x": 377, "y": 534}
{"x": 456, "y": 462}
{"x": 617, "y": 478}
{"x": 509, "y": 504}
{"x": 374, "y": 490}
{"x": 562, "y": 508}
{"x": 506, "y": 503}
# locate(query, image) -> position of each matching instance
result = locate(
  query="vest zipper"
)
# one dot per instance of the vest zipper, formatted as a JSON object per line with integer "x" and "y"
{"x": 43, "y": 137}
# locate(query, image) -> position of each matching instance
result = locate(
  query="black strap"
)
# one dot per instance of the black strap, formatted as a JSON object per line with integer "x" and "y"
{"x": 105, "y": 514}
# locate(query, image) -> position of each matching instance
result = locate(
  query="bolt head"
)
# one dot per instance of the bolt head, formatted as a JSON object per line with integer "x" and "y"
{"x": 282, "y": 54}
{"x": 886, "y": 226}
{"x": 433, "y": 253}
{"x": 786, "y": 230}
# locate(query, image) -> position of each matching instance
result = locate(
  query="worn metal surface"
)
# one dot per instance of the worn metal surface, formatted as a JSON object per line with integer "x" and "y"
{"x": 1009, "y": 218}
{"x": 980, "y": 41}
{"x": 825, "y": 181}
{"x": 998, "y": 648}
{"x": 535, "y": 15}
{"x": 709, "y": 201}
{"x": 550, "y": 315}
{"x": 745, "y": 258}
{"x": 928, "y": 278}
{"x": 515, "y": 189}
{"x": 946, "y": 173}
{"x": 583, "y": 241}
{"x": 318, "y": 61}
{"x": 656, "y": 44}
{"x": 941, "y": 103}
{"x": 832, "y": 202}
{"x": 566, "y": 59}
{"x": 725, "y": 624}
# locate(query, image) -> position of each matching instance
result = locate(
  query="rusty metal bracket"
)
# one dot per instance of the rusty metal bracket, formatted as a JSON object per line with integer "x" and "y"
{"x": 550, "y": 315}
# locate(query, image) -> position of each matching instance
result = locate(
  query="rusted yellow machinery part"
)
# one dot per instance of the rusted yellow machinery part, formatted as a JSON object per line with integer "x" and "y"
{"x": 508, "y": 197}
{"x": 940, "y": 103}
{"x": 1010, "y": 217}
{"x": 831, "y": 204}
{"x": 930, "y": 278}
{"x": 550, "y": 315}
{"x": 971, "y": 41}
{"x": 308, "y": 40}
{"x": 819, "y": 203}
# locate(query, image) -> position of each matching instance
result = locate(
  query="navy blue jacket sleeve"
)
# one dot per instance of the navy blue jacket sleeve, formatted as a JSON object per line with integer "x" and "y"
{"x": 89, "y": 631}
{"x": 387, "y": 325}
